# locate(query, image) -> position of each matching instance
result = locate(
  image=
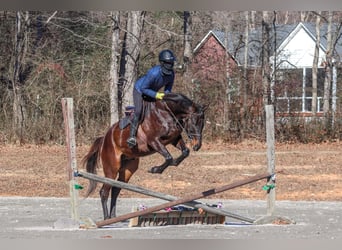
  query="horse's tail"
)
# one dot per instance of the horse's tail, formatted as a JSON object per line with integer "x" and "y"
{"x": 91, "y": 160}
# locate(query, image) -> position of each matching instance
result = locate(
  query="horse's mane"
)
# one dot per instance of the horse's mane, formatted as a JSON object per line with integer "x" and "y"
{"x": 171, "y": 98}
{"x": 178, "y": 98}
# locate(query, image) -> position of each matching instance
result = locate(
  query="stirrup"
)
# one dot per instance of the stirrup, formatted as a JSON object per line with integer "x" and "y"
{"x": 131, "y": 142}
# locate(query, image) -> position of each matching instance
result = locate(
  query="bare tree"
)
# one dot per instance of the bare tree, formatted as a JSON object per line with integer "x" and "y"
{"x": 187, "y": 37}
{"x": 130, "y": 55}
{"x": 304, "y": 16}
{"x": 327, "y": 80}
{"x": 114, "y": 77}
{"x": 228, "y": 85}
{"x": 245, "y": 76}
{"x": 266, "y": 57}
{"x": 287, "y": 17}
{"x": 187, "y": 52}
{"x": 18, "y": 66}
{"x": 252, "y": 19}
{"x": 315, "y": 65}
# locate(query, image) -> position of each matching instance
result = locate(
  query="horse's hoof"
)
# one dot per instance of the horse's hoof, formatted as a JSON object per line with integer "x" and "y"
{"x": 154, "y": 170}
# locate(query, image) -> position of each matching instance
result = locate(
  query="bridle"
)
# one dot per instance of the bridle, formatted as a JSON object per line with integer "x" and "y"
{"x": 189, "y": 135}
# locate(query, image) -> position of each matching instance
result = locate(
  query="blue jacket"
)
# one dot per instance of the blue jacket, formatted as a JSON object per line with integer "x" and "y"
{"x": 153, "y": 81}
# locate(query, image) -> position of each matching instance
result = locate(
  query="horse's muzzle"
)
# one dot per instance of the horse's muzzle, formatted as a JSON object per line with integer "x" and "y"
{"x": 196, "y": 147}
{"x": 196, "y": 144}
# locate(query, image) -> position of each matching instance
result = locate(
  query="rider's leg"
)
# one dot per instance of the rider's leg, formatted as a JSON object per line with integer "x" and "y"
{"x": 137, "y": 98}
{"x": 132, "y": 141}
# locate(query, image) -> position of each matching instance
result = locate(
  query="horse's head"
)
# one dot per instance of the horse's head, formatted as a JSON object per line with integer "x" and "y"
{"x": 193, "y": 124}
{"x": 190, "y": 113}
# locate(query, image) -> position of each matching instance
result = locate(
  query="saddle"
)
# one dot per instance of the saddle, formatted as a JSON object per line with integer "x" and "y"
{"x": 127, "y": 119}
{"x": 129, "y": 112}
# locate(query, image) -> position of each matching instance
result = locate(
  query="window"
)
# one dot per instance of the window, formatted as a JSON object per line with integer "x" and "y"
{"x": 294, "y": 90}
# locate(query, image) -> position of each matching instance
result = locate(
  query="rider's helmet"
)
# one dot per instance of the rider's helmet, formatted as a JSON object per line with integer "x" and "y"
{"x": 167, "y": 60}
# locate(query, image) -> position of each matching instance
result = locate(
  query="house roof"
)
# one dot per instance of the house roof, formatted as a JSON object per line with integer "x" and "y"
{"x": 283, "y": 34}
{"x": 219, "y": 36}
{"x": 311, "y": 27}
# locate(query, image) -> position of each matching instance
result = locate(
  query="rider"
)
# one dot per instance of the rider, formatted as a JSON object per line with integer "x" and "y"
{"x": 148, "y": 86}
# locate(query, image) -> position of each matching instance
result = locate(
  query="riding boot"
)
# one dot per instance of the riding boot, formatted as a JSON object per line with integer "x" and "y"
{"x": 132, "y": 141}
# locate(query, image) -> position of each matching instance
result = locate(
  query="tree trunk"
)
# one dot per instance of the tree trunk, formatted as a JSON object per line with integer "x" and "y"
{"x": 274, "y": 62}
{"x": 187, "y": 37}
{"x": 315, "y": 66}
{"x": 187, "y": 53}
{"x": 20, "y": 50}
{"x": 114, "y": 77}
{"x": 243, "y": 108}
{"x": 303, "y": 16}
{"x": 265, "y": 71}
{"x": 286, "y": 19}
{"x": 252, "y": 20}
{"x": 228, "y": 87}
{"x": 131, "y": 53}
{"x": 327, "y": 80}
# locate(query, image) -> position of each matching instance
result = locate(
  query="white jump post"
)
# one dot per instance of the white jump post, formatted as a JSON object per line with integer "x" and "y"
{"x": 270, "y": 157}
{"x": 71, "y": 168}
{"x": 270, "y": 187}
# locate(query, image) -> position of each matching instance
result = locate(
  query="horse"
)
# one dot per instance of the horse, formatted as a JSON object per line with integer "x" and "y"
{"x": 163, "y": 123}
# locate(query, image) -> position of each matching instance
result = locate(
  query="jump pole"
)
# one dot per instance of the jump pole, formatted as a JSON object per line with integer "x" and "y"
{"x": 71, "y": 168}
{"x": 183, "y": 200}
{"x": 141, "y": 190}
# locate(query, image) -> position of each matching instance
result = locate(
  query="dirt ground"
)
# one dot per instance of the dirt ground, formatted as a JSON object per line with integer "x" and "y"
{"x": 312, "y": 172}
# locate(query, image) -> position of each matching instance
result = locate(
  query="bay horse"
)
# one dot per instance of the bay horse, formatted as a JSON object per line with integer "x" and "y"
{"x": 163, "y": 123}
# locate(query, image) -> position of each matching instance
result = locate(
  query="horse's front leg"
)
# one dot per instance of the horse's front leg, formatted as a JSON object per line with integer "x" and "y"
{"x": 161, "y": 149}
{"x": 180, "y": 144}
{"x": 160, "y": 169}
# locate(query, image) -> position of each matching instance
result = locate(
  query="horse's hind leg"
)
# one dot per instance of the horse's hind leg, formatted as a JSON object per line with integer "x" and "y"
{"x": 111, "y": 164}
{"x": 127, "y": 169}
{"x": 104, "y": 194}
{"x": 115, "y": 194}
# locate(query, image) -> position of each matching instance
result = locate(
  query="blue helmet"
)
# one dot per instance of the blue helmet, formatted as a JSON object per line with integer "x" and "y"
{"x": 167, "y": 60}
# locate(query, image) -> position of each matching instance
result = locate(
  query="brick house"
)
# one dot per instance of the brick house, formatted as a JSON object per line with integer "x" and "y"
{"x": 218, "y": 56}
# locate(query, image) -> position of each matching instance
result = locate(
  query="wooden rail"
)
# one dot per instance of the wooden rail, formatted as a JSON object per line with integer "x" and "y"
{"x": 141, "y": 190}
{"x": 172, "y": 203}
